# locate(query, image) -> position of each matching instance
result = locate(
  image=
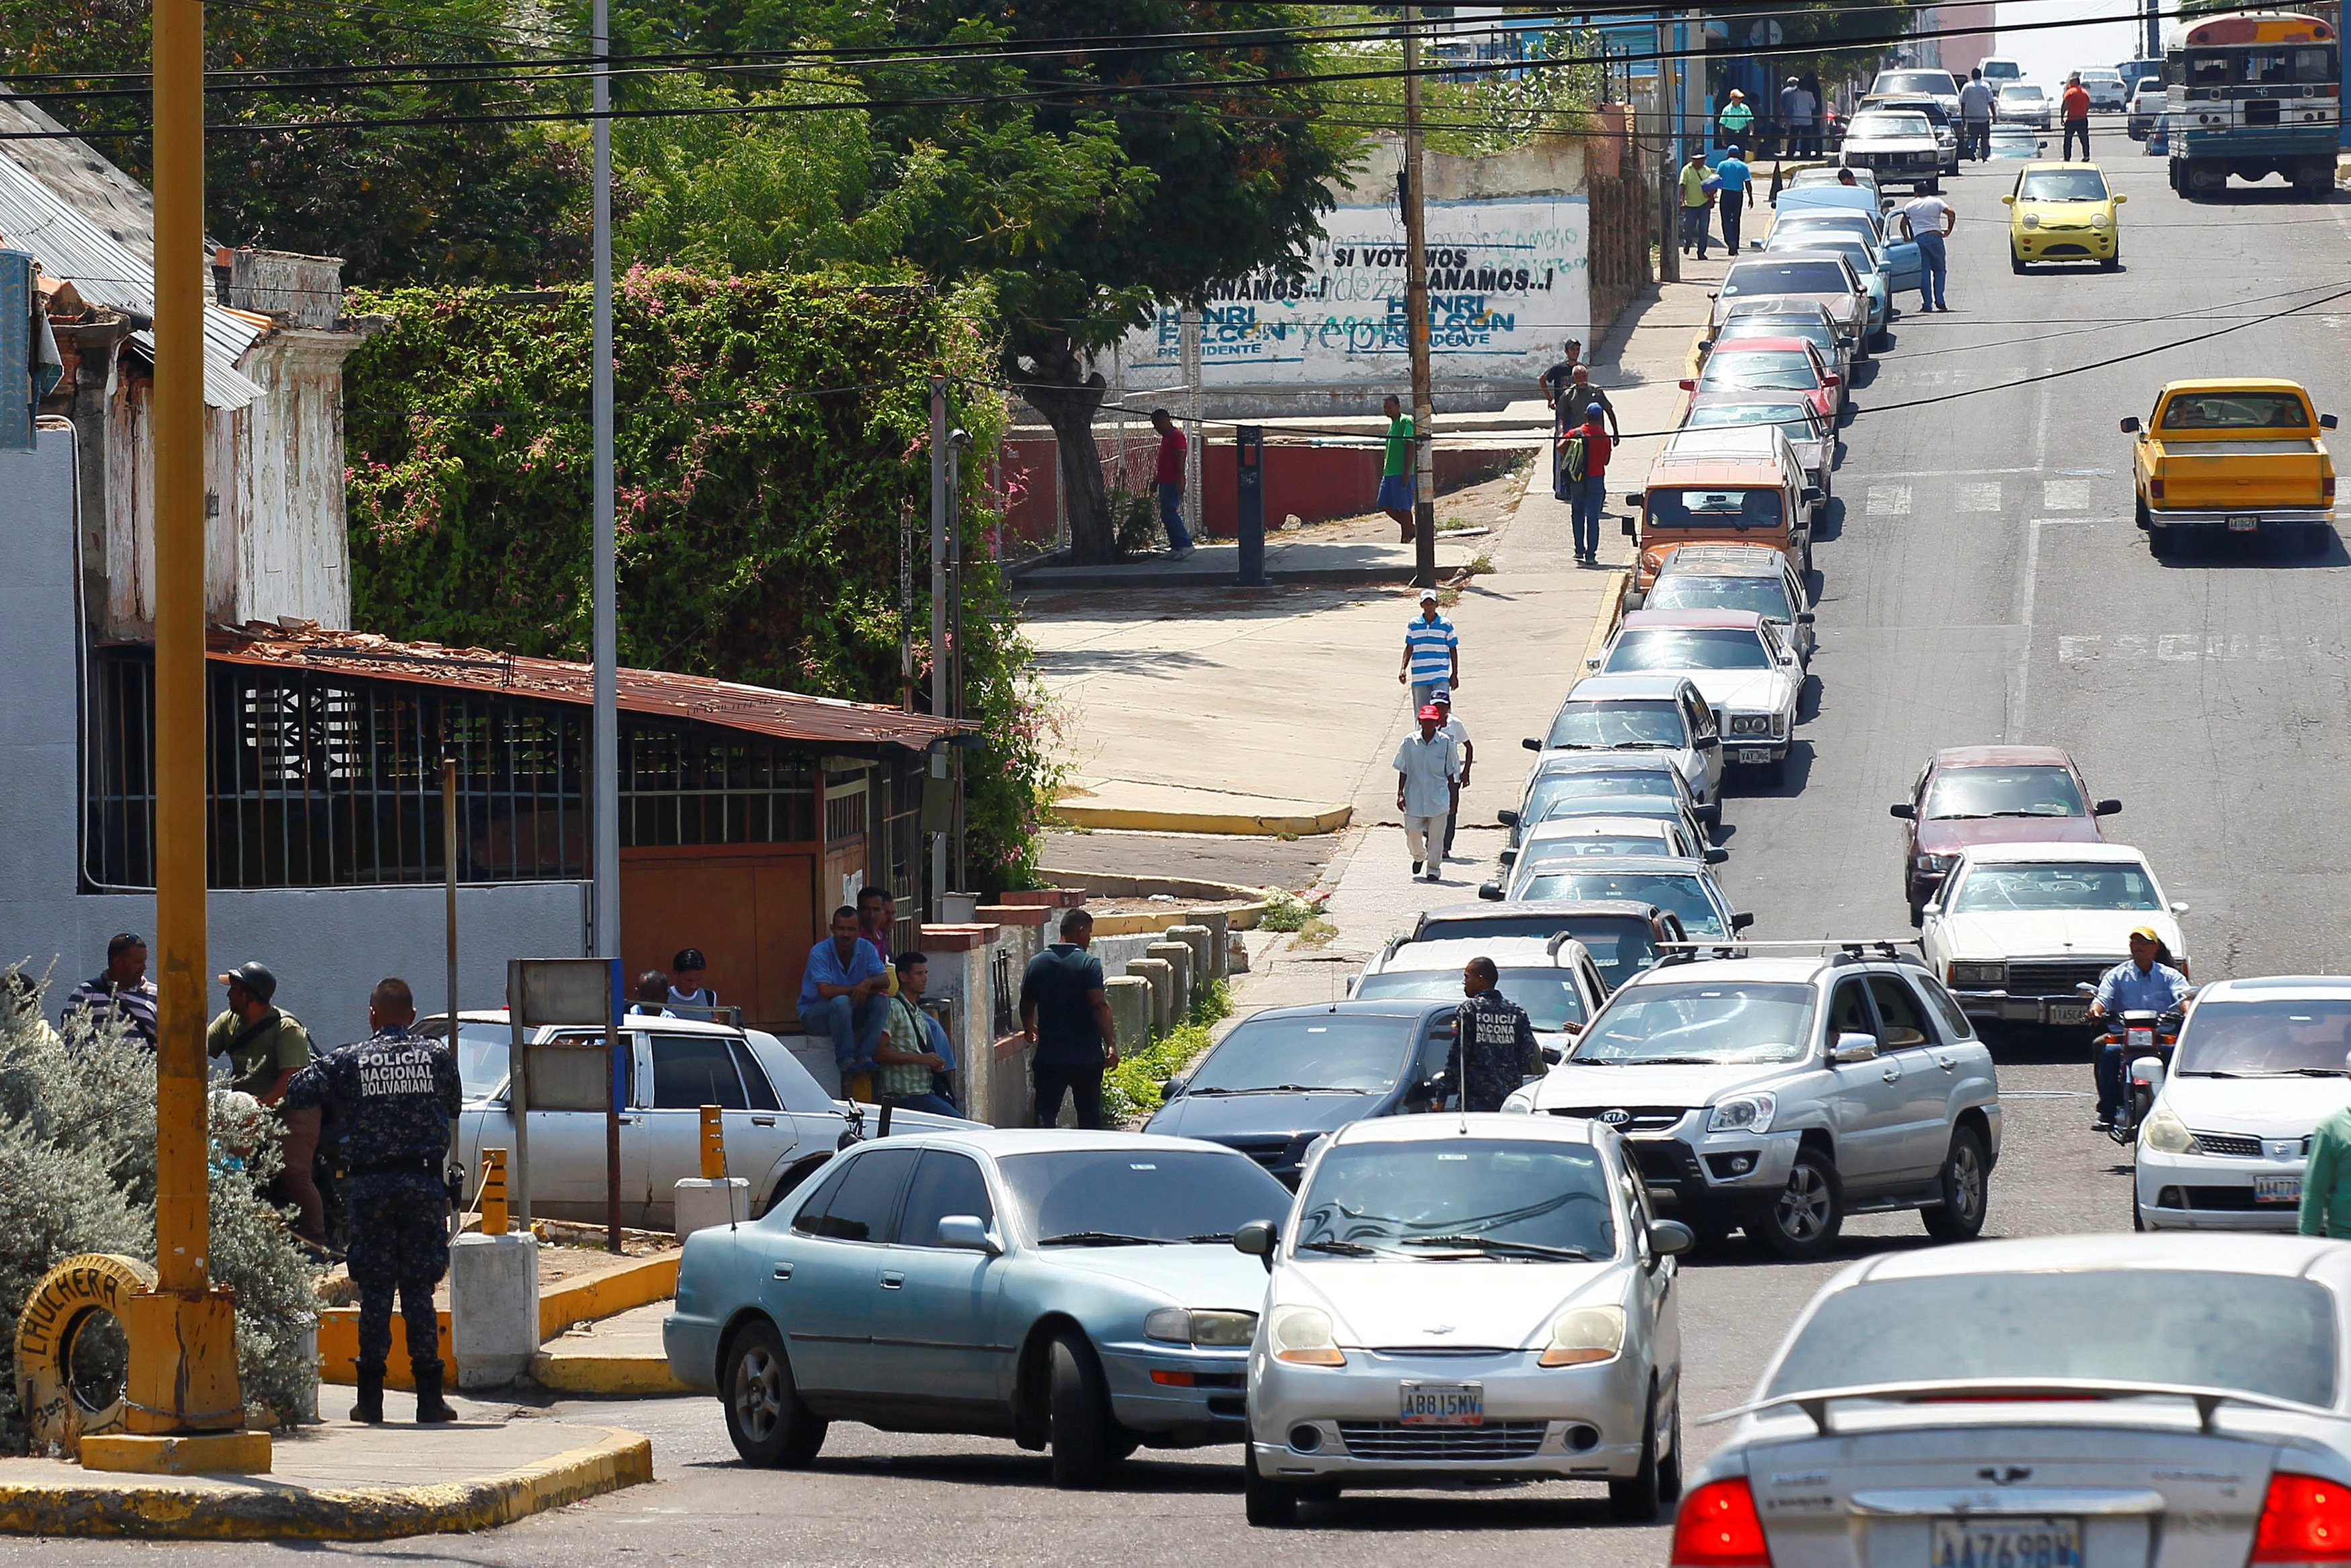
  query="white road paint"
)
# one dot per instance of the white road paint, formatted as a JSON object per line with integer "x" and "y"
{"x": 1889, "y": 501}
{"x": 2182, "y": 648}
{"x": 2065, "y": 496}
{"x": 1978, "y": 497}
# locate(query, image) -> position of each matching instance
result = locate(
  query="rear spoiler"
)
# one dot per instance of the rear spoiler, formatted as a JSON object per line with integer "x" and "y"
{"x": 1814, "y": 1402}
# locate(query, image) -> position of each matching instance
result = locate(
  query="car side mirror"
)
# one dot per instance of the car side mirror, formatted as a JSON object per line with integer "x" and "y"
{"x": 2327, "y": 422}
{"x": 2120, "y": 199}
{"x": 1491, "y": 891}
{"x": 1259, "y": 1239}
{"x": 1708, "y": 743}
{"x": 1631, "y": 529}
{"x": 1710, "y": 813}
{"x": 1553, "y": 1056}
{"x": 1812, "y": 496}
{"x": 1686, "y": 384}
{"x": 1593, "y": 662}
{"x": 1902, "y": 809}
{"x": 1507, "y": 817}
{"x": 1742, "y": 921}
{"x": 1806, "y": 618}
{"x": 1852, "y": 1046}
{"x": 2008, "y": 200}
{"x": 1670, "y": 1237}
{"x": 1171, "y": 1088}
{"x": 1510, "y": 857}
{"x": 1716, "y": 855}
{"x": 967, "y": 1233}
{"x": 2106, "y": 808}
{"x": 2179, "y": 906}
{"x": 1634, "y": 499}
{"x": 2130, "y": 424}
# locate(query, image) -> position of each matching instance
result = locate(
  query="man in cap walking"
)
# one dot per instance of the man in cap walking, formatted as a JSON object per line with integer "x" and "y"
{"x": 1426, "y": 771}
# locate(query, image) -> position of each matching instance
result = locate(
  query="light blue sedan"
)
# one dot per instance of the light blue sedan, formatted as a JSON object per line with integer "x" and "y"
{"x": 1072, "y": 1289}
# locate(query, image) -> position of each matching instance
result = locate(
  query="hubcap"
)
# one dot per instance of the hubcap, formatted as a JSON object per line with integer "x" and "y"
{"x": 1967, "y": 1182}
{"x": 1803, "y": 1207}
{"x": 758, "y": 1394}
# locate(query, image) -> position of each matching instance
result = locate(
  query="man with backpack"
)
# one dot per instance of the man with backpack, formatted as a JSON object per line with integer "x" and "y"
{"x": 1583, "y": 464}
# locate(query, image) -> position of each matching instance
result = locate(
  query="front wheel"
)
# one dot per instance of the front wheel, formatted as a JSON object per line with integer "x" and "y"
{"x": 1269, "y": 1504}
{"x": 765, "y": 1419}
{"x": 2016, "y": 261}
{"x": 1640, "y": 1499}
{"x": 1083, "y": 1432}
{"x": 1803, "y": 1220}
{"x": 1965, "y": 1185}
{"x": 2112, "y": 263}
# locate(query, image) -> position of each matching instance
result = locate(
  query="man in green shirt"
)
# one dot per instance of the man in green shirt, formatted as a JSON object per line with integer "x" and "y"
{"x": 1395, "y": 473}
{"x": 264, "y": 1046}
{"x": 2326, "y": 1179}
{"x": 1735, "y": 120}
{"x": 1695, "y": 199}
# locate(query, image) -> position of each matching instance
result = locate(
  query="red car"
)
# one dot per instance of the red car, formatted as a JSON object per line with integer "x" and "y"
{"x": 1967, "y": 795}
{"x": 1751, "y": 365}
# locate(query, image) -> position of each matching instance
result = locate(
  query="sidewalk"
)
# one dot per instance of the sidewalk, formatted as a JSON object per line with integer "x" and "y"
{"x": 1289, "y": 563}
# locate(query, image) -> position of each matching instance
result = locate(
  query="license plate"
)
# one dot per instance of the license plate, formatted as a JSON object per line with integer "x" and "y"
{"x": 2243, "y": 524}
{"x": 1758, "y": 755}
{"x": 2277, "y": 1188}
{"x": 1442, "y": 1405}
{"x": 2006, "y": 1543}
{"x": 2069, "y": 1013}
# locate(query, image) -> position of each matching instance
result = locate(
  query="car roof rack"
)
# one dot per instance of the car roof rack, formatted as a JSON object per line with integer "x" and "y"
{"x": 1837, "y": 949}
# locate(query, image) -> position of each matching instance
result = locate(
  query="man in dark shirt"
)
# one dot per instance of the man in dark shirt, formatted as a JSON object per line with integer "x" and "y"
{"x": 1555, "y": 379}
{"x": 1065, "y": 1013}
{"x": 1498, "y": 1050}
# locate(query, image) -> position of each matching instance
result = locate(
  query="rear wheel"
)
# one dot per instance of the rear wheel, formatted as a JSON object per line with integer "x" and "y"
{"x": 2158, "y": 542}
{"x": 1965, "y": 1184}
{"x": 1803, "y": 1220}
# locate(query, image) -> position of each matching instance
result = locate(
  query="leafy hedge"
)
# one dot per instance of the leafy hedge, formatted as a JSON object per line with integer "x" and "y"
{"x": 772, "y": 440}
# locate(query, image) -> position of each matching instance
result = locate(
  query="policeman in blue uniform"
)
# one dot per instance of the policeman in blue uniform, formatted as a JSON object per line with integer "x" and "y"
{"x": 1496, "y": 1050}
{"x": 395, "y": 1095}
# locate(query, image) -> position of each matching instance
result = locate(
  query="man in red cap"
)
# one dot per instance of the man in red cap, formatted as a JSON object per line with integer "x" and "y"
{"x": 1427, "y": 765}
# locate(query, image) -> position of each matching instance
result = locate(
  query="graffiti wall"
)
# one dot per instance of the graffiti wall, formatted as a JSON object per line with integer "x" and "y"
{"x": 1507, "y": 281}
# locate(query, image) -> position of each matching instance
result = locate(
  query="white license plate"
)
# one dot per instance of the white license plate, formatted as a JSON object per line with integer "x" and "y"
{"x": 2006, "y": 1543}
{"x": 2243, "y": 524}
{"x": 2069, "y": 1013}
{"x": 2277, "y": 1188}
{"x": 1442, "y": 1403}
{"x": 1758, "y": 756}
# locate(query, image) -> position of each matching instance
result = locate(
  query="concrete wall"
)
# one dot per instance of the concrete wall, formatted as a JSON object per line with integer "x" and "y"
{"x": 328, "y": 945}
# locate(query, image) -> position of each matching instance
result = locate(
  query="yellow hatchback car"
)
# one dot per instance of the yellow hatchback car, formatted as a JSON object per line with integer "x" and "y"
{"x": 2064, "y": 212}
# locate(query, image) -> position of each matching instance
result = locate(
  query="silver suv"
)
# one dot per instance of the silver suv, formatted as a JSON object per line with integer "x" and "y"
{"x": 1782, "y": 1092}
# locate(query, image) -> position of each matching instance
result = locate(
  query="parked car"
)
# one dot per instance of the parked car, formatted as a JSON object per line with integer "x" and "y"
{"x": 1285, "y": 1075}
{"x": 1659, "y": 713}
{"x": 2148, "y": 99}
{"x": 1660, "y": 813}
{"x": 1945, "y": 122}
{"x": 1739, "y": 661}
{"x": 2016, "y": 927}
{"x": 1769, "y": 365}
{"x": 1723, "y": 487}
{"x": 2023, "y": 1428}
{"x": 1623, "y": 937}
{"x": 1071, "y": 1288}
{"x": 1569, "y": 839}
{"x": 1818, "y": 174}
{"x": 1898, "y": 146}
{"x": 1900, "y": 256}
{"x": 1564, "y": 775}
{"x": 1781, "y": 1093}
{"x": 1552, "y": 977}
{"x": 2105, "y": 87}
{"x": 1393, "y": 1352}
{"x": 1687, "y": 888}
{"x": 2022, "y": 103}
{"x": 1860, "y": 252}
{"x": 1812, "y": 437}
{"x": 1967, "y": 795}
{"x": 781, "y": 1125}
{"x": 1801, "y": 318}
{"x": 1825, "y": 278}
{"x": 1736, "y": 578}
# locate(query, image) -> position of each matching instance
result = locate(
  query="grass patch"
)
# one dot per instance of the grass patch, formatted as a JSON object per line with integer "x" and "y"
{"x": 1480, "y": 564}
{"x": 1131, "y": 1090}
{"x": 1455, "y": 524}
{"x": 1317, "y": 932}
{"x": 1285, "y": 912}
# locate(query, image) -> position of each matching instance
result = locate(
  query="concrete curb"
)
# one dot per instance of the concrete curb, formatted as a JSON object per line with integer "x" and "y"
{"x": 128, "y": 1508}
{"x": 584, "y": 1298}
{"x": 1612, "y": 610}
{"x": 1234, "y": 823}
{"x": 604, "y": 1376}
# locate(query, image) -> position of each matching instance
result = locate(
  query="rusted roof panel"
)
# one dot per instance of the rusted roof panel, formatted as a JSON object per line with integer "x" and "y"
{"x": 785, "y": 715}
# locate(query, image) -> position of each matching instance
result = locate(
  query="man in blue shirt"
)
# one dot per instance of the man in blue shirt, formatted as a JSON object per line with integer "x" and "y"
{"x": 1432, "y": 653}
{"x": 2145, "y": 984}
{"x": 844, "y": 992}
{"x": 1737, "y": 182}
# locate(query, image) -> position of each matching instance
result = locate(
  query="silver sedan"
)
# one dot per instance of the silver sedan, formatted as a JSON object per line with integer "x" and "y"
{"x": 1465, "y": 1298}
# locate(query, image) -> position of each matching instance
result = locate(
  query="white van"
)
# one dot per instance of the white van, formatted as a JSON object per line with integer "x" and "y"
{"x": 1999, "y": 72}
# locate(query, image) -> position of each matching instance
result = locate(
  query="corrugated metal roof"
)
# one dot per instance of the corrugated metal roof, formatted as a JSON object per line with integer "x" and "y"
{"x": 786, "y": 715}
{"x": 36, "y": 215}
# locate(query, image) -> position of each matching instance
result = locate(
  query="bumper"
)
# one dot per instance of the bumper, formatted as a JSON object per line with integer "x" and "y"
{"x": 2063, "y": 1012}
{"x": 2199, "y": 1191}
{"x": 691, "y": 1343}
{"x": 1721, "y": 1179}
{"x": 2064, "y": 244}
{"x": 1327, "y": 1424}
{"x": 1196, "y": 1397}
{"x": 2239, "y": 146}
{"x": 2249, "y": 520}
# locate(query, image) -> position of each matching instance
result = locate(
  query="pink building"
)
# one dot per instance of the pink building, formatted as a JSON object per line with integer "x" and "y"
{"x": 1967, "y": 35}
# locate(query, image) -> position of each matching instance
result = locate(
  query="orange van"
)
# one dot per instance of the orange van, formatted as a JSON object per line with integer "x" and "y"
{"x": 1734, "y": 484}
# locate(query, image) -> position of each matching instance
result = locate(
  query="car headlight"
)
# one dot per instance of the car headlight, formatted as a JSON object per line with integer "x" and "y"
{"x": 2032, "y": 220}
{"x": 1933, "y": 862}
{"x": 2166, "y": 1134}
{"x": 1964, "y": 973}
{"x": 2100, "y": 220}
{"x": 1302, "y": 1335}
{"x": 1178, "y": 1326}
{"x": 1743, "y": 1113}
{"x": 1582, "y": 1335}
{"x": 1751, "y": 724}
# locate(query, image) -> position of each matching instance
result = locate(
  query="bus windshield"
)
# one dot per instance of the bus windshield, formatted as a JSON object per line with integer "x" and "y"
{"x": 2259, "y": 65}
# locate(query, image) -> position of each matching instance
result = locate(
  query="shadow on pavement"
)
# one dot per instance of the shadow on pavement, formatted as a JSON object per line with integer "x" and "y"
{"x": 1033, "y": 1473}
{"x": 1460, "y": 1508}
{"x": 2275, "y": 550}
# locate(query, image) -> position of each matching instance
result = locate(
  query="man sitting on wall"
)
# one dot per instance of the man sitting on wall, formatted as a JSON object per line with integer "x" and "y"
{"x": 914, "y": 1056}
{"x": 844, "y": 992}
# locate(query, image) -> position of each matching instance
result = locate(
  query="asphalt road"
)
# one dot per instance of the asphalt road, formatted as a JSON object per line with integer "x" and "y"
{"x": 1985, "y": 584}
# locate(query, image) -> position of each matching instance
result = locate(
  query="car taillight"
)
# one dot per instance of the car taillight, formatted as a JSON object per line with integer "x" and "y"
{"x": 2326, "y": 489}
{"x": 2304, "y": 1520}
{"x": 1718, "y": 1528}
{"x": 2155, "y": 490}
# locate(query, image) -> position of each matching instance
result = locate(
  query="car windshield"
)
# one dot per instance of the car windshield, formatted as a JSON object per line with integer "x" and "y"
{"x": 1550, "y": 851}
{"x": 1887, "y": 126}
{"x": 1795, "y": 419}
{"x": 2022, "y": 92}
{"x": 1806, "y": 223}
{"x": 1682, "y": 892}
{"x": 1315, "y": 1051}
{"x": 1786, "y": 277}
{"x": 2002, "y": 71}
{"x": 1744, "y": 507}
{"x": 1606, "y": 725}
{"x": 1914, "y": 81}
{"x": 1813, "y": 329}
{"x": 2234, "y": 410}
{"x": 1773, "y": 368}
{"x": 1820, "y": 175}
{"x": 1721, "y": 1022}
{"x": 2189, "y": 1327}
{"x": 1498, "y": 1199}
{"x": 484, "y": 1050}
{"x": 1103, "y": 1196}
{"x": 1593, "y": 783}
{"x": 2003, "y": 792}
{"x": 1621, "y": 945}
{"x": 2062, "y": 185}
{"x": 1686, "y": 648}
{"x": 2014, "y": 138}
{"x": 1548, "y": 993}
{"x": 1766, "y": 597}
{"x": 2244, "y": 1037}
{"x": 2090, "y": 885}
{"x": 1856, "y": 252}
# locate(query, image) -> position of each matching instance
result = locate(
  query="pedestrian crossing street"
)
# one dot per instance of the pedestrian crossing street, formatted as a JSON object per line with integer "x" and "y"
{"x": 1962, "y": 493}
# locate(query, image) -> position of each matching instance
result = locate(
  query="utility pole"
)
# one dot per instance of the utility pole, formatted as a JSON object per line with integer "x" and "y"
{"x": 1416, "y": 311}
{"x": 938, "y": 623}
{"x": 605, "y": 725}
{"x": 1189, "y": 360}
{"x": 1669, "y": 201}
{"x": 2154, "y": 30}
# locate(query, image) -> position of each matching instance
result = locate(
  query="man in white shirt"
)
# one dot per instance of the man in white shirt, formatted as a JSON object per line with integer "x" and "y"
{"x": 1458, "y": 733}
{"x": 1927, "y": 220}
{"x": 1427, "y": 768}
{"x": 1976, "y": 101}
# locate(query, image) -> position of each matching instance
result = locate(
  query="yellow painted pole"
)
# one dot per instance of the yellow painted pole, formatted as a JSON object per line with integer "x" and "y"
{"x": 714, "y": 1144}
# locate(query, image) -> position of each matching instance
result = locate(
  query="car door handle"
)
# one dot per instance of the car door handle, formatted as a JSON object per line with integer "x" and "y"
{"x": 1892, "y": 1074}
{"x": 891, "y": 1280}
{"x": 1947, "y": 1064}
{"x": 624, "y": 1121}
{"x": 763, "y": 1121}
{"x": 783, "y": 1271}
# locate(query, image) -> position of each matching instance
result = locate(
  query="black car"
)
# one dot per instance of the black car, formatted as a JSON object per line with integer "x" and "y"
{"x": 1285, "y": 1077}
{"x": 1622, "y": 936}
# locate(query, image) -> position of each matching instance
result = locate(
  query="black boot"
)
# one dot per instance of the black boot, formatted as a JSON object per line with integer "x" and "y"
{"x": 370, "y": 1408}
{"x": 430, "y": 1407}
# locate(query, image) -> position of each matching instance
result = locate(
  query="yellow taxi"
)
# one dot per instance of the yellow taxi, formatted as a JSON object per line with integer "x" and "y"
{"x": 2064, "y": 212}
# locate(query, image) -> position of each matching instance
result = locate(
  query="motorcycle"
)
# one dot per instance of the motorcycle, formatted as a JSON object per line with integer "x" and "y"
{"x": 2147, "y": 1040}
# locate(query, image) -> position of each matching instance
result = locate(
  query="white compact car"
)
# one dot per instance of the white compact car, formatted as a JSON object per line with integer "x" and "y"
{"x": 1464, "y": 1299}
{"x": 1553, "y": 978}
{"x": 2050, "y": 1402}
{"x": 2259, "y": 1063}
{"x": 1740, "y": 661}
{"x": 2015, "y": 927}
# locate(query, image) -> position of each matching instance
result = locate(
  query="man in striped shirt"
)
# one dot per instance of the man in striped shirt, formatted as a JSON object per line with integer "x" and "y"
{"x": 1432, "y": 654}
{"x": 123, "y": 991}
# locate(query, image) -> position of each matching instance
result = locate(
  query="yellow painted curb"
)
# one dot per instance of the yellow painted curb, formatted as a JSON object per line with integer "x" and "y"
{"x": 1612, "y": 610}
{"x": 1241, "y": 920}
{"x": 606, "y": 1376}
{"x": 163, "y": 1511}
{"x": 638, "y": 1282}
{"x": 1237, "y": 824}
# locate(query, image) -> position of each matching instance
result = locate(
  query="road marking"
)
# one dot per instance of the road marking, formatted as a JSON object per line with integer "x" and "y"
{"x": 1889, "y": 501}
{"x": 2065, "y": 496}
{"x": 2181, "y": 648}
{"x": 1982, "y": 497}
{"x": 1952, "y": 472}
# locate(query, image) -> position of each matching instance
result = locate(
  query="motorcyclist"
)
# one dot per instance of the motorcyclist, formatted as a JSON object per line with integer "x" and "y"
{"x": 2147, "y": 982}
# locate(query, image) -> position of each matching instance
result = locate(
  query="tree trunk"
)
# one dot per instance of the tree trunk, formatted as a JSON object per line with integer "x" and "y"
{"x": 1051, "y": 384}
